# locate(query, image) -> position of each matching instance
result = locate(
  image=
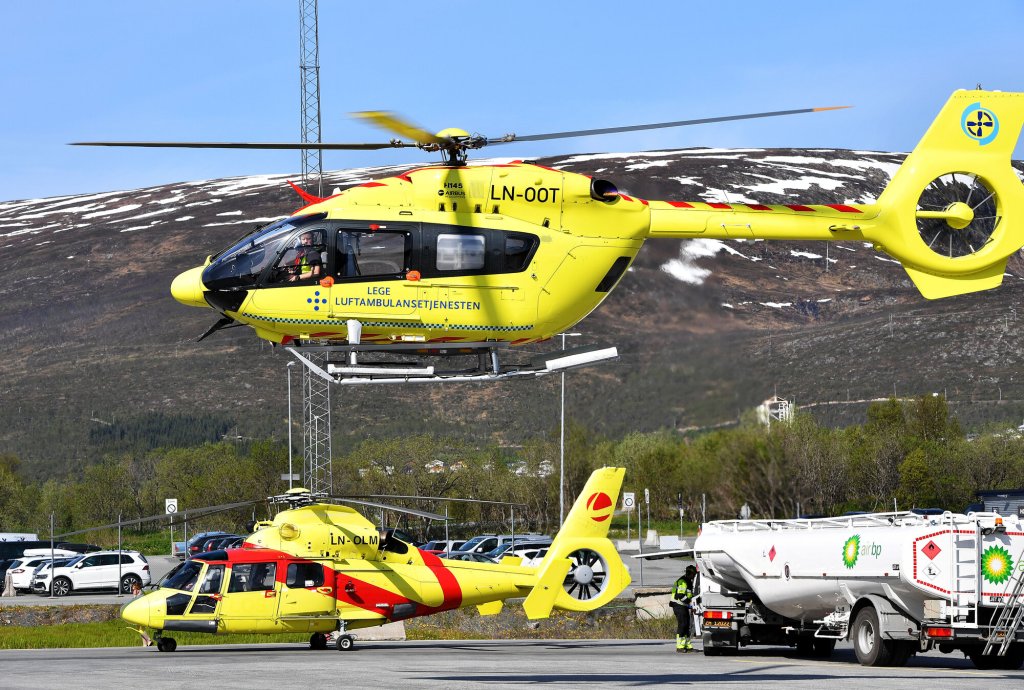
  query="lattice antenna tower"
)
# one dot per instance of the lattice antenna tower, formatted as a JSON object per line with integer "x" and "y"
{"x": 309, "y": 68}
{"x": 316, "y": 393}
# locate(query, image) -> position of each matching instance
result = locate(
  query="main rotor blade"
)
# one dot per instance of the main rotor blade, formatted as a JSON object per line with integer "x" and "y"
{"x": 176, "y": 518}
{"x": 385, "y": 506}
{"x": 659, "y": 125}
{"x": 442, "y": 498}
{"x": 287, "y": 146}
{"x": 393, "y": 122}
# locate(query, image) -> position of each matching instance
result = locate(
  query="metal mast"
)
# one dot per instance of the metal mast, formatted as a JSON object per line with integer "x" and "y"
{"x": 316, "y": 393}
{"x": 316, "y": 429}
{"x": 309, "y": 68}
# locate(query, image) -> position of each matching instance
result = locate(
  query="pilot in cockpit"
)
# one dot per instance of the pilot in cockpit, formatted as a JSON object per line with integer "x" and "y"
{"x": 307, "y": 262}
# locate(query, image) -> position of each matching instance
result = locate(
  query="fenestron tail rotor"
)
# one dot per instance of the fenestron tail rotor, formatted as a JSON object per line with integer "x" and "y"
{"x": 957, "y": 214}
{"x": 587, "y": 576}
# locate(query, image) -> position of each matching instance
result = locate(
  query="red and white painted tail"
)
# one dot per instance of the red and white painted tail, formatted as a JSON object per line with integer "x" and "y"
{"x": 582, "y": 570}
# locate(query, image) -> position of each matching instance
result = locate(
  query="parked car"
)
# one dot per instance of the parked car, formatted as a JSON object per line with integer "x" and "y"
{"x": 225, "y": 542}
{"x": 466, "y": 556}
{"x": 101, "y": 570}
{"x": 41, "y": 574}
{"x": 520, "y": 549}
{"x": 441, "y": 545}
{"x": 198, "y": 541}
{"x": 21, "y": 572}
{"x": 488, "y": 542}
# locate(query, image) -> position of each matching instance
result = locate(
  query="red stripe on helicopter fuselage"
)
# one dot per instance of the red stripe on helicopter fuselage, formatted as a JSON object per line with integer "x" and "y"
{"x": 359, "y": 593}
{"x": 450, "y": 587}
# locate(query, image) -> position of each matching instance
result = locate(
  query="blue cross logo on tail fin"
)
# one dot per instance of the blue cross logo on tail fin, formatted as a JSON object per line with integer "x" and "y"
{"x": 980, "y": 124}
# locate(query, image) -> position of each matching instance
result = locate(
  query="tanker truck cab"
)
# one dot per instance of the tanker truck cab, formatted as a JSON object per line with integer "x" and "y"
{"x": 892, "y": 584}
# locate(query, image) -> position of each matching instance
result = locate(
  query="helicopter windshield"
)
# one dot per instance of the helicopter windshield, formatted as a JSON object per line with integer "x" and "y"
{"x": 241, "y": 265}
{"x": 183, "y": 577}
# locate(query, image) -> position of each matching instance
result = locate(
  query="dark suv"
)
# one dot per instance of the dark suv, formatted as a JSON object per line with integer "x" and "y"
{"x": 197, "y": 542}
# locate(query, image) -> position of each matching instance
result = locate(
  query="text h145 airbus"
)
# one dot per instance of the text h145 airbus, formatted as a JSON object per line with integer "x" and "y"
{"x": 323, "y": 568}
{"x": 516, "y": 253}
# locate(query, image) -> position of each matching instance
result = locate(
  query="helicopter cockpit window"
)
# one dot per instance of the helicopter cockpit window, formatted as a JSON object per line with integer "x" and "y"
{"x": 184, "y": 577}
{"x": 303, "y": 260}
{"x": 460, "y": 252}
{"x": 241, "y": 266}
{"x": 304, "y": 575}
{"x": 379, "y": 253}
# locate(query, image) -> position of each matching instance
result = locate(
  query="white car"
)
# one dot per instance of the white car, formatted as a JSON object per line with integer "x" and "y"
{"x": 99, "y": 570}
{"x": 21, "y": 571}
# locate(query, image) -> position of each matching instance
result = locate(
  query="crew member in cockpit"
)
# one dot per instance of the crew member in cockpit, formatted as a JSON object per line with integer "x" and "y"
{"x": 308, "y": 263}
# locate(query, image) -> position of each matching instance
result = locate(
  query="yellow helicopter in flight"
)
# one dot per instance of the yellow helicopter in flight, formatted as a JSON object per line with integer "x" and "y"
{"x": 322, "y": 568}
{"x": 460, "y": 258}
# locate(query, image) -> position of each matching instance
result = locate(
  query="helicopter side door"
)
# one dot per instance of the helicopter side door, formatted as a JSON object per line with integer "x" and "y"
{"x": 307, "y": 591}
{"x": 369, "y": 267}
{"x": 290, "y": 285}
{"x": 250, "y": 602}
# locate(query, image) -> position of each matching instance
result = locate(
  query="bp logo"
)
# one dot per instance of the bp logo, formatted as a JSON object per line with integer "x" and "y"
{"x": 600, "y": 506}
{"x": 980, "y": 124}
{"x": 851, "y": 550}
{"x": 996, "y": 565}
{"x": 316, "y": 300}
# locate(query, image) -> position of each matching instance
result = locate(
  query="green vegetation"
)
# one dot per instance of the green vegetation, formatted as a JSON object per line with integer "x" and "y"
{"x": 98, "y": 626}
{"x": 114, "y": 633}
{"x": 914, "y": 454}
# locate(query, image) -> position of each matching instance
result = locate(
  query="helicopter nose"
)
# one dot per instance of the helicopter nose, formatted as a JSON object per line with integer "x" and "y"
{"x": 188, "y": 288}
{"x": 136, "y": 611}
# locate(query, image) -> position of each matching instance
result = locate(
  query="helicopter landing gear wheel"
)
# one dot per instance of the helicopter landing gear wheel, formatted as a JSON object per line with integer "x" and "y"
{"x": 345, "y": 643}
{"x": 957, "y": 214}
{"x": 166, "y": 644}
{"x": 318, "y": 641}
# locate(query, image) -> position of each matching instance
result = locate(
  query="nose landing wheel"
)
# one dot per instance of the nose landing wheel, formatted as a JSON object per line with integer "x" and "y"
{"x": 345, "y": 643}
{"x": 166, "y": 644}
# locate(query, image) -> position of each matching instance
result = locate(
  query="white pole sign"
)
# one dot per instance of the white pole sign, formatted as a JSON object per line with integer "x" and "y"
{"x": 171, "y": 506}
{"x": 628, "y": 501}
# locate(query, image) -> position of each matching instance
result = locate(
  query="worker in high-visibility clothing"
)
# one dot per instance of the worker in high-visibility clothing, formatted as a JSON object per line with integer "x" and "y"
{"x": 681, "y": 603}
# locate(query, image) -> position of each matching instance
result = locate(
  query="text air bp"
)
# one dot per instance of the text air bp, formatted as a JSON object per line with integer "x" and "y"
{"x": 377, "y": 296}
{"x": 541, "y": 195}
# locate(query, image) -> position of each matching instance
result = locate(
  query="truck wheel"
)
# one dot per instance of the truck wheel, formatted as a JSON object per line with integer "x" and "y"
{"x": 805, "y": 645}
{"x": 902, "y": 651}
{"x": 868, "y": 644}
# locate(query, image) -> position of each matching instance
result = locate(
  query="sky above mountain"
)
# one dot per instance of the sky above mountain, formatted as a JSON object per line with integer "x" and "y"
{"x": 193, "y": 70}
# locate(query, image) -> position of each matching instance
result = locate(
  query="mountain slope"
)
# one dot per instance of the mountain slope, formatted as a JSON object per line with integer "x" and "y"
{"x": 706, "y": 328}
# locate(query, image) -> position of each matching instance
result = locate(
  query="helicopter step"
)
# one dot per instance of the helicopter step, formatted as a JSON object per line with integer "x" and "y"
{"x": 410, "y": 362}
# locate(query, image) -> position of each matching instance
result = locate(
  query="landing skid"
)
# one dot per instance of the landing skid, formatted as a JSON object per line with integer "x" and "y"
{"x": 427, "y": 363}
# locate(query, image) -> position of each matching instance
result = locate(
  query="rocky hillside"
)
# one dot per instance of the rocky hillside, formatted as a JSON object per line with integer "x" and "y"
{"x": 707, "y": 329}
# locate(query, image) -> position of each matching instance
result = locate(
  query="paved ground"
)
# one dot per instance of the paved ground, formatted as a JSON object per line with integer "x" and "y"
{"x": 607, "y": 663}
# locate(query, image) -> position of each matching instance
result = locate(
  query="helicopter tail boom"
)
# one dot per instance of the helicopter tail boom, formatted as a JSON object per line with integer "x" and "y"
{"x": 582, "y": 570}
{"x": 952, "y": 214}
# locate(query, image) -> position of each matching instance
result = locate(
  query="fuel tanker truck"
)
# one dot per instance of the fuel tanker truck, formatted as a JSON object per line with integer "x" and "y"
{"x": 893, "y": 584}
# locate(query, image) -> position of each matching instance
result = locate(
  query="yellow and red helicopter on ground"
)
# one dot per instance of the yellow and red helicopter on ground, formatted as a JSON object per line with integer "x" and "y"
{"x": 457, "y": 258}
{"x": 321, "y": 568}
